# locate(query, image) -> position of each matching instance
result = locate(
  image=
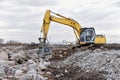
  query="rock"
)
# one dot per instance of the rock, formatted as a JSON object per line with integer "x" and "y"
{"x": 18, "y": 60}
{"x": 15, "y": 64}
{"x": 39, "y": 77}
{"x": 19, "y": 73}
{"x": 11, "y": 63}
{"x": 22, "y": 54}
{"x": 46, "y": 63}
{"x": 11, "y": 59}
{"x": 19, "y": 48}
{"x": 5, "y": 49}
{"x": 25, "y": 69}
{"x": 9, "y": 71}
{"x": 3, "y": 55}
{"x": 3, "y": 79}
{"x": 10, "y": 77}
{"x": 66, "y": 71}
{"x": 32, "y": 66}
{"x": 27, "y": 77}
{"x": 108, "y": 60}
{"x": 32, "y": 71}
{"x": 43, "y": 64}
{"x": 2, "y": 73}
{"x": 3, "y": 63}
{"x": 65, "y": 53}
{"x": 32, "y": 53}
{"x": 11, "y": 53}
{"x": 61, "y": 56}
{"x": 19, "y": 57}
{"x": 29, "y": 62}
{"x": 60, "y": 52}
{"x": 48, "y": 73}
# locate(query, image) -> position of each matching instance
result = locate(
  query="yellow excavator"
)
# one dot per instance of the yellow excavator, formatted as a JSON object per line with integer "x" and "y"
{"x": 83, "y": 35}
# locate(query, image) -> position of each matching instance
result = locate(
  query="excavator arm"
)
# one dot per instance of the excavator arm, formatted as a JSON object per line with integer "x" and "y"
{"x": 62, "y": 20}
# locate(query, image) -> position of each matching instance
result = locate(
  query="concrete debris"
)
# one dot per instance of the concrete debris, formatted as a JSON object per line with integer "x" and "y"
{"x": 16, "y": 63}
{"x": 106, "y": 62}
{"x": 19, "y": 73}
{"x": 20, "y": 63}
{"x": 3, "y": 55}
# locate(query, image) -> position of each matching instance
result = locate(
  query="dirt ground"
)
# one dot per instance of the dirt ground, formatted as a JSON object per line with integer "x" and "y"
{"x": 74, "y": 73}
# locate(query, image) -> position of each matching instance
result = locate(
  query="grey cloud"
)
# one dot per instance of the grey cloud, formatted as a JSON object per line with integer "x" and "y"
{"x": 34, "y": 3}
{"x": 94, "y": 16}
{"x": 102, "y": 20}
{"x": 113, "y": 38}
{"x": 106, "y": 26}
{"x": 1, "y": 0}
{"x": 22, "y": 36}
{"x": 91, "y": 14}
{"x": 26, "y": 21}
{"x": 117, "y": 4}
{"x": 31, "y": 17}
{"x": 88, "y": 15}
{"x": 21, "y": 22}
{"x": 15, "y": 9}
{"x": 27, "y": 26}
{"x": 19, "y": 18}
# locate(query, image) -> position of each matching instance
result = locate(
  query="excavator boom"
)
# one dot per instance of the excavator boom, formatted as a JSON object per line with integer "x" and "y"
{"x": 62, "y": 20}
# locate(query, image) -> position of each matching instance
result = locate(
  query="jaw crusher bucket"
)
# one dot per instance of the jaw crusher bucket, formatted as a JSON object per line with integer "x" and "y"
{"x": 44, "y": 49}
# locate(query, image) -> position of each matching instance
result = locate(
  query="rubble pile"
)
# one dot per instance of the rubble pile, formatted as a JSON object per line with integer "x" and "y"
{"x": 19, "y": 64}
{"x": 105, "y": 62}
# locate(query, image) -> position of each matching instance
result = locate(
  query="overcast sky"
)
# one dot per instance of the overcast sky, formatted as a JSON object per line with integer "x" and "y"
{"x": 21, "y": 19}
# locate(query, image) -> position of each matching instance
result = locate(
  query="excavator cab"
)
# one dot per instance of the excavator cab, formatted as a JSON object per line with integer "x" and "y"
{"x": 88, "y": 36}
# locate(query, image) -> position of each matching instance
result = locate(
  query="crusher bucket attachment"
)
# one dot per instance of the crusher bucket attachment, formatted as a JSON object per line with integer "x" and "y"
{"x": 44, "y": 49}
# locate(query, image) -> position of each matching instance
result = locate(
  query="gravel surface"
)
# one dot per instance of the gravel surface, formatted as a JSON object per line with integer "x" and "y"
{"x": 106, "y": 62}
